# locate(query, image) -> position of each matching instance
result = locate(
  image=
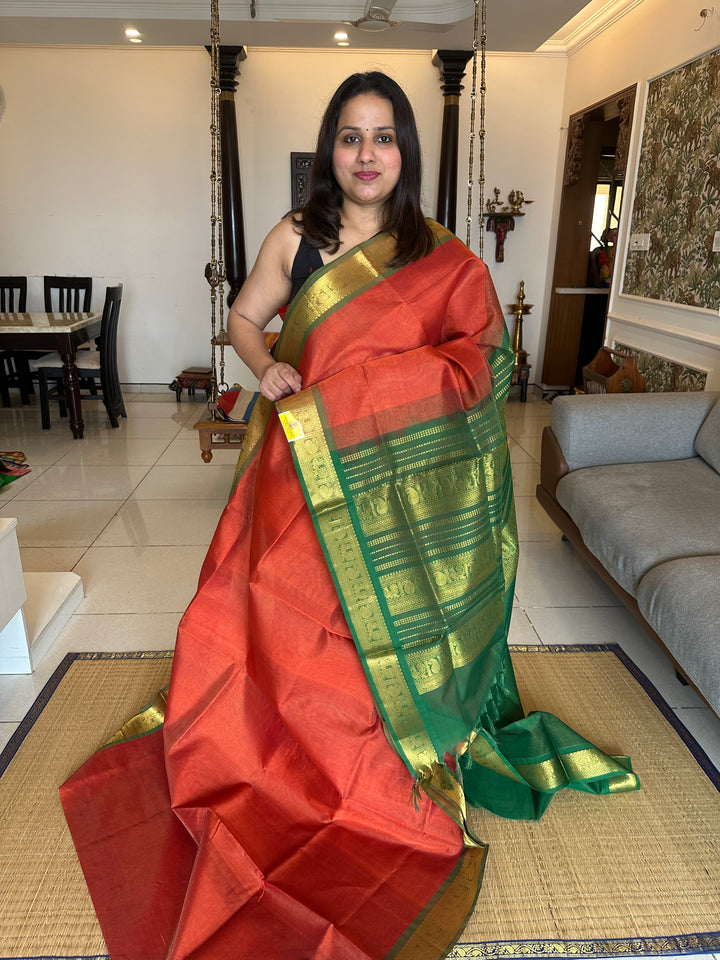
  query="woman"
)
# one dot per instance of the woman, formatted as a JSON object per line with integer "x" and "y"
{"x": 352, "y": 612}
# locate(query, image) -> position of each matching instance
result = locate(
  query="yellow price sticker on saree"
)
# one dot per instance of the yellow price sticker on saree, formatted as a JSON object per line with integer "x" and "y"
{"x": 292, "y": 427}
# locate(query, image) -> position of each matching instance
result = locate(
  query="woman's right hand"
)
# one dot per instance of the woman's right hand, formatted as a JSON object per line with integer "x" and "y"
{"x": 279, "y": 380}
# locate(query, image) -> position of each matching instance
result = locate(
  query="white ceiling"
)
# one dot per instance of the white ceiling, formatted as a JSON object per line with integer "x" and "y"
{"x": 512, "y": 25}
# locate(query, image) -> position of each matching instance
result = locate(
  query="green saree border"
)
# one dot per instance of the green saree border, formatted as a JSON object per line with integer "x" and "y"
{"x": 146, "y": 721}
{"x": 362, "y": 600}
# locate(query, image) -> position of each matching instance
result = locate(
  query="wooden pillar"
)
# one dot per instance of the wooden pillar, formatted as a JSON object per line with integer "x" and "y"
{"x": 451, "y": 64}
{"x": 232, "y": 211}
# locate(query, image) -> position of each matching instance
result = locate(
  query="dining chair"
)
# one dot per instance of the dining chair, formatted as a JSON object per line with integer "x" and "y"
{"x": 92, "y": 365}
{"x": 14, "y": 371}
{"x": 67, "y": 294}
{"x": 13, "y": 294}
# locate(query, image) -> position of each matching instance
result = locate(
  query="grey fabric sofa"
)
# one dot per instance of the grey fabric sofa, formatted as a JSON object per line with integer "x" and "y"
{"x": 633, "y": 481}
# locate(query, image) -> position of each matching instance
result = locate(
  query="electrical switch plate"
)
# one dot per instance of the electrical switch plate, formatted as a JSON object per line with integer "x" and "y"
{"x": 640, "y": 241}
{"x": 716, "y": 242}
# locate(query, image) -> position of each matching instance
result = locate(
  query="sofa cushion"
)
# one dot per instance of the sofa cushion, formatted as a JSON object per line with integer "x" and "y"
{"x": 633, "y": 516}
{"x": 593, "y": 429}
{"x": 681, "y": 602}
{"x": 707, "y": 441}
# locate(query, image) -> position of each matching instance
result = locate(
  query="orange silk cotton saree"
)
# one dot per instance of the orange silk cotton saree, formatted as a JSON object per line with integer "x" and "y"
{"x": 341, "y": 679}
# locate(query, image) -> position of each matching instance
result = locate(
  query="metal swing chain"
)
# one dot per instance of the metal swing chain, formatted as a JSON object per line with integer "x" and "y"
{"x": 479, "y": 30}
{"x": 216, "y": 267}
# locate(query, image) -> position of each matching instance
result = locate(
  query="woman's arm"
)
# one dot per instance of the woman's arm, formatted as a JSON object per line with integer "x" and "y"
{"x": 266, "y": 290}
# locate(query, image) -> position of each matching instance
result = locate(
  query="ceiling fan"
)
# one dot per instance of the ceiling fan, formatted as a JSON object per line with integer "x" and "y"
{"x": 376, "y": 17}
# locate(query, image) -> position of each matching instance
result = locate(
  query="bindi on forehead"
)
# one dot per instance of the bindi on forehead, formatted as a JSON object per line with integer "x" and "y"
{"x": 348, "y": 126}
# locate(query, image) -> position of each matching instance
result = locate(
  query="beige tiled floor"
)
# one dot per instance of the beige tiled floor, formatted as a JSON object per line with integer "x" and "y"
{"x": 133, "y": 510}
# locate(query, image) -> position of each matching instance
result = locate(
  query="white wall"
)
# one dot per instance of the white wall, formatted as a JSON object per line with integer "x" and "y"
{"x": 523, "y": 145}
{"x": 104, "y": 157}
{"x": 104, "y": 170}
{"x": 654, "y": 38}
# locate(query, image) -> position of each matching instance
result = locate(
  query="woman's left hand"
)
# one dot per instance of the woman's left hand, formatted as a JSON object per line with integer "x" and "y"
{"x": 279, "y": 380}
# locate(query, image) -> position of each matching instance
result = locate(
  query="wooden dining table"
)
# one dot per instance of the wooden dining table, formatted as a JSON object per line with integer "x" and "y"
{"x": 63, "y": 332}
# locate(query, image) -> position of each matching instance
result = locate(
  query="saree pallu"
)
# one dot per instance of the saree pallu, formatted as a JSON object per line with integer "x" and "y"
{"x": 341, "y": 681}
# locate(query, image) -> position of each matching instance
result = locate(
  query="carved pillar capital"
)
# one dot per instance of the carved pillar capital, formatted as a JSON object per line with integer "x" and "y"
{"x": 451, "y": 64}
{"x": 230, "y": 59}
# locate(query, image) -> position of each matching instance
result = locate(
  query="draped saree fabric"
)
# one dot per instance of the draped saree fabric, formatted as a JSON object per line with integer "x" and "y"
{"x": 341, "y": 683}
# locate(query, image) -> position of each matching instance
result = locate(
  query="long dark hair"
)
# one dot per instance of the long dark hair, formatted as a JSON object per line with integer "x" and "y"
{"x": 401, "y": 213}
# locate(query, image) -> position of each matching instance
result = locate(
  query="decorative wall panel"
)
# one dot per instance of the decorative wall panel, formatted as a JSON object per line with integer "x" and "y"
{"x": 677, "y": 197}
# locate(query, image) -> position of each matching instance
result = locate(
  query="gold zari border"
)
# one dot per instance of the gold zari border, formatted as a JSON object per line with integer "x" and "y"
{"x": 149, "y": 719}
{"x": 336, "y": 283}
{"x": 355, "y": 585}
{"x": 327, "y": 289}
{"x": 331, "y": 286}
{"x": 440, "y": 926}
{"x": 364, "y": 611}
{"x": 578, "y": 766}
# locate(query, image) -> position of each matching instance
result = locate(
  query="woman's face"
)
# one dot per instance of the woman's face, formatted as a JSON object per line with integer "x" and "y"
{"x": 366, "y": 157}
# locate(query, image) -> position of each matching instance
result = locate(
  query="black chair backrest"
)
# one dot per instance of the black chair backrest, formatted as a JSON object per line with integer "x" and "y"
{"x": 68, "y": 292}
{"x": 108, "y": 343}
{"x": 13, "y": 294}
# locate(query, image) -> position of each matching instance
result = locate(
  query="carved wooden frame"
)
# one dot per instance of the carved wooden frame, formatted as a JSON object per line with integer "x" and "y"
{"x": 300, "y": 164}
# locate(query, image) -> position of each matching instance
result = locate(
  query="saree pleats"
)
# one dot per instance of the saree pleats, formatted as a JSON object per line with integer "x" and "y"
{"x": 341, "y": 685}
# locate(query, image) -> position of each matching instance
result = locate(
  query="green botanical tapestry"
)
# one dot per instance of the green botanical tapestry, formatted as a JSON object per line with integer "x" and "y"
{"x": 663, "y": 375}
{"x": 677, "y": 197}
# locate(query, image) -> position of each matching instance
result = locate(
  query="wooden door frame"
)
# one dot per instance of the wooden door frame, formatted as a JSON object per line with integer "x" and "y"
{"x": 572, "y": 250}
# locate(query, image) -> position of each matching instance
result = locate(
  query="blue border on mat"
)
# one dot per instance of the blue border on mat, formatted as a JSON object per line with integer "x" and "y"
{"x": 42, "y": 700}
{"x": 679, "y": 945}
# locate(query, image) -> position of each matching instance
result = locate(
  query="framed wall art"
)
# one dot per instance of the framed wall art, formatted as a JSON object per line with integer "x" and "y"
{"x": 676, "y": 207}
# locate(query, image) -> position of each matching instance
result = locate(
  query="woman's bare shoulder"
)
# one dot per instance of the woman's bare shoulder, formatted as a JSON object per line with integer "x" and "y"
{"x": 281, "y": 243}
{"x": 285, "y": 233}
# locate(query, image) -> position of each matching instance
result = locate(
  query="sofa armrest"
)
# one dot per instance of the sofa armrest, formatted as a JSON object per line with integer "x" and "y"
{"x": 553, "y": 465}
{"x": 595, "y": 429}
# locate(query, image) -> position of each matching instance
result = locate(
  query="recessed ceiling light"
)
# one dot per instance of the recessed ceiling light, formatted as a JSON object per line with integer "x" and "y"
{"x": 134, "y": 39}
{"x": 132, "y": 32}
{"x": 340, "y": 35}
{"x": 343, "y": 43}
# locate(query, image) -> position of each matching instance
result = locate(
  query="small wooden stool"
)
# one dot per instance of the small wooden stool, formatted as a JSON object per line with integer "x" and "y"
{"x": 520, "y": 377}
{"x": 191, "y": 379}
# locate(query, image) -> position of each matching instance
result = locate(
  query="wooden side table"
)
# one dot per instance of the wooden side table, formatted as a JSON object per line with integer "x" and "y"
{"x": 218, "y": 435}
{"x": 520, "y": 377}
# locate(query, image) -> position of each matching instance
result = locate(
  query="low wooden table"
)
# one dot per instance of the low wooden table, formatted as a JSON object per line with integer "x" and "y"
{"x": 231, "y": 435}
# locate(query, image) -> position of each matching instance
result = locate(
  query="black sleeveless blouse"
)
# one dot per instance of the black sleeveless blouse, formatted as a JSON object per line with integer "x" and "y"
{"x": 306, "y": 260}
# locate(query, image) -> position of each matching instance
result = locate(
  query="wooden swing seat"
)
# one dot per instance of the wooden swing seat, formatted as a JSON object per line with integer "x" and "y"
{"x": 218, "y": 435}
